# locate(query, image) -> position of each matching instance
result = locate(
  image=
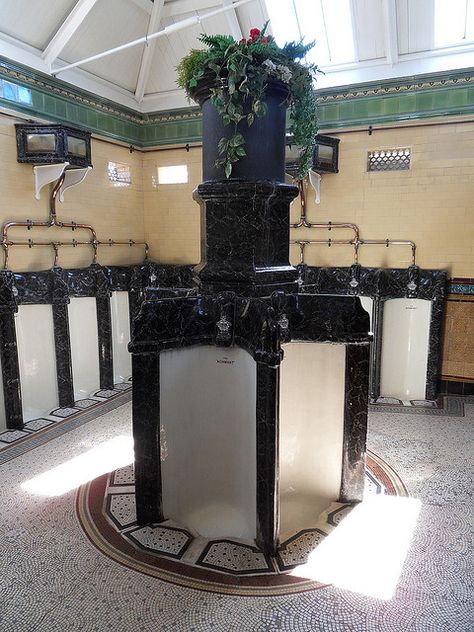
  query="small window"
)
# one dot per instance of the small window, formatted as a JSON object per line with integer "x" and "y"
{"x": 119, "y": 174}
{"x": 389, "y": 159}
{"x": 177, "y": 174}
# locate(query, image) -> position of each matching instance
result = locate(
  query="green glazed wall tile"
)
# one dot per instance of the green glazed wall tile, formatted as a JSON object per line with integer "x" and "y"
{"x": 441, "y": 94}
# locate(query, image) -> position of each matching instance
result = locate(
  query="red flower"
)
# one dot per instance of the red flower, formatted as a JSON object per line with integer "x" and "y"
{"x": 243, "y": 41}
{"x": 254, "y": 33}
{"x": 264, "y": 40}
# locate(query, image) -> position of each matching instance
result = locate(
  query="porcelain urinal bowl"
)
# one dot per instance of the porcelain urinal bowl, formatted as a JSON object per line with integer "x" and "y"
{"x": 37, "y": 360}
{"x": 208, "y": 459}
{"x": 311, "y": 431}
{"x": 405, "y": 346}
{"x": 120, "y": 316}
{"x": 84, "y": 346}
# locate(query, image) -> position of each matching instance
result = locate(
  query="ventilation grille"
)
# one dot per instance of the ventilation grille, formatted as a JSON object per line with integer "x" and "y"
{"x": 389, "y": 159}
{"x": 119, "y": 174}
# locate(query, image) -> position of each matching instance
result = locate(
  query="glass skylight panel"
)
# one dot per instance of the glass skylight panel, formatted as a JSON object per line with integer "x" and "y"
{"x": 283, "y": 21}
{"x": 454, "y": 23}
{"x": 311, "y": 19}
{"x": 327, "y": 22}
{"x": 340, "y": 35}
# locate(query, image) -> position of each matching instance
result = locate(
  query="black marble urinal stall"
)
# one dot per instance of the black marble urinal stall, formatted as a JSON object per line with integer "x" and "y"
{"x": 246, "y": 298}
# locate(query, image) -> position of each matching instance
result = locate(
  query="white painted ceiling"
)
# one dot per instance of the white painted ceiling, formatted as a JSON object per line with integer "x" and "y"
{"x": 357, "y": 40}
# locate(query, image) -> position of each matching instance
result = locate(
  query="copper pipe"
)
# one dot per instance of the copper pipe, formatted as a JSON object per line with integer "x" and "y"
{"x": 356, "y": 243}
{"x": 392, "y": 242}
{"x": 303, "y": 221}
{"x": 52, "y": 221}
{"x": 328, "y": 242}
{"x": 57, "y": 244}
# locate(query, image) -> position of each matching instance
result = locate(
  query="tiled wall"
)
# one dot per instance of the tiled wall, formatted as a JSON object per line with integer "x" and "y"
{"x": 115, "y": 211}
{"x": 172, "y": 217}
{"x": 430, "y": 204}
{"x": 458, "y": 345}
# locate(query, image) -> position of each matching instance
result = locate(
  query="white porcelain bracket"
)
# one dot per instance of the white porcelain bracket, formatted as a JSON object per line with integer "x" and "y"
{"x": 315, "y": 181}
{"x": 45, "y": 174}
{"x": 71, "y": 179}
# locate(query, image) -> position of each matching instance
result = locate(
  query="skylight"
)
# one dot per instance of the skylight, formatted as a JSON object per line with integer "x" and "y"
{"x": 328, "y": 22}
{"x": 454, "y": 23}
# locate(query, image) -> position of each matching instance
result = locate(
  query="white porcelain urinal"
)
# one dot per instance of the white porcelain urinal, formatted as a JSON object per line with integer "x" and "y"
{"x": 312, "y": 380}
{"x": 37, "y": 360}
{"x": 405, "y": 345}
{"x": 208, "y": 413}
{"x": 120, "y": 336}
{"x": 84, "y": 346}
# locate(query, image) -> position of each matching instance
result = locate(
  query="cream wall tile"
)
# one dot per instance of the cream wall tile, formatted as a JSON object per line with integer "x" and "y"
{"x": 115, "y": 212}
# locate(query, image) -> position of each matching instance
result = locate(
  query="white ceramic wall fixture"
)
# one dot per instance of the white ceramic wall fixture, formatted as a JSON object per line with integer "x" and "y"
{"x": 120, "y": 336}
{"x": 312, "y": 383}
{"x": 405, "y": 345}
{"x": 37, "y": 360}
{"x": 84, "y": 346}
{"x": 367, "y": 304}
{"x": 208, "y": 401}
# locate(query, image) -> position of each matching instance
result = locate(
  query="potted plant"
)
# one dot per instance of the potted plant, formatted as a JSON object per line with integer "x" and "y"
{"x": 244, "y": 89}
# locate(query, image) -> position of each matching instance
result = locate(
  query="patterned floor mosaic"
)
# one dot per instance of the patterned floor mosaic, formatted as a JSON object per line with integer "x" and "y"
{"x": 55, "y": 580}
{"x": 444, "y": 406}
{"x": 106, "y": 509}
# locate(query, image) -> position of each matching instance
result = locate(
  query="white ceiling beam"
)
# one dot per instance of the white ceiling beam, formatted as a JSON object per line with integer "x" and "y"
{"x": 149, "y": 50}
{"x": 67, "y": 30}
{"x": 144, "y": 5}
{"x": 390, "y": 30}
{"x": 172, "y": 28}
{"x": 232, "y": 21}
{"x": 178, "y": 7}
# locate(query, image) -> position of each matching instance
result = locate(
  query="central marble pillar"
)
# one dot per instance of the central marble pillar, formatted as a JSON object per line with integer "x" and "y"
{"x": 249, "y": 398}
{"x": 245, "y": 234}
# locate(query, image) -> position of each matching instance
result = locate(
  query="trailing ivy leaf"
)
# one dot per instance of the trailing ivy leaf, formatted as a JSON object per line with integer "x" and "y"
{"x": 236, "y": 140}
{"x": 228, "y": 169}
{"x": 250, "y": 119}
{"x": 240, "y": 151}
{"x": 222, "y": 145}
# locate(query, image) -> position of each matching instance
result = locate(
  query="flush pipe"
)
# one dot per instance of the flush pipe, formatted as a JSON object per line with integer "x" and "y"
{"x": 55, "y": 245}
{"x": 53, "y": 221}
{"x": 303, "y": 221}
{"x": 356, "y": 244}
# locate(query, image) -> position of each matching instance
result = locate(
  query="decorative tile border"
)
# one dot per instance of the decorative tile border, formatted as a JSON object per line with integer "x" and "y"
{"x": 461, "y": 286}
{"x": 174, "y": 554}
{"x": 165, "y": 540}
{"x": 409, "y": 98}
{"x": 448, "y": 406}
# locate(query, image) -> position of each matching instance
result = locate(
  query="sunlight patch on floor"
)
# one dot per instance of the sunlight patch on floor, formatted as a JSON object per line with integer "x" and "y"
{"x": 366, "y": 551}
{"x": 106, "y": 457}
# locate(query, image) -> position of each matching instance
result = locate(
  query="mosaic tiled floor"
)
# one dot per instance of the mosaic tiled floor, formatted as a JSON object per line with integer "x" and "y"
{"x": 61, "y": 420}
{"x": 444, "y": 406}
{"x": 53, "y": 579}
{"x": 106, "y": 509}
